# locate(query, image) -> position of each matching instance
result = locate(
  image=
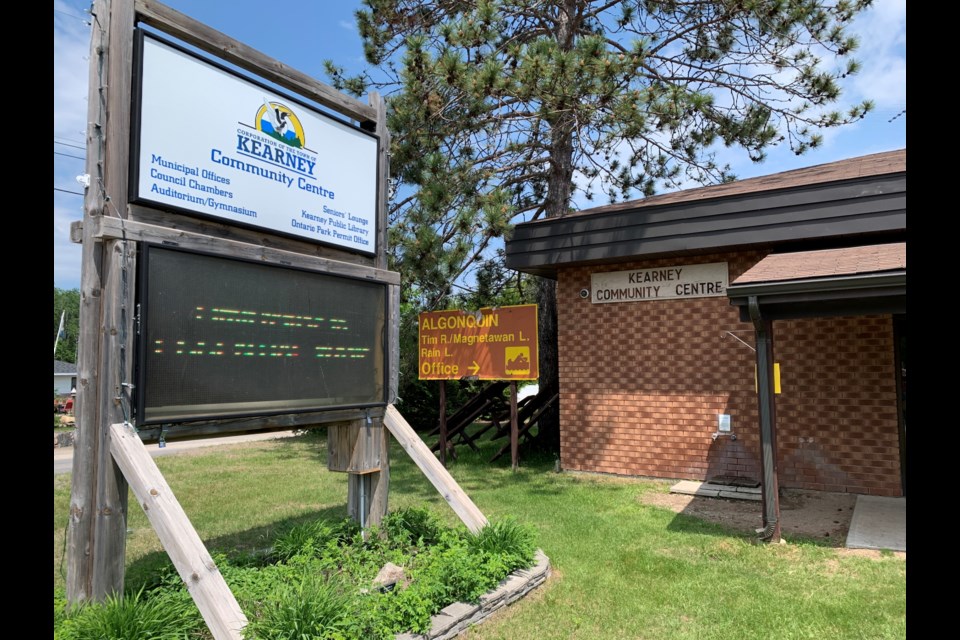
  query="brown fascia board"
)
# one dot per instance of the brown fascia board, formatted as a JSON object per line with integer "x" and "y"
{"x": 870, "y": 202}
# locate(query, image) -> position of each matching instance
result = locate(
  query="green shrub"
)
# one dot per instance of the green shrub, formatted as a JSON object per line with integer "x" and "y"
{"x": 457, "y": 573}
{"x": 409, "y": 609}
{"x": 59, "y": 611}
{"x": 513, "y": 542}
{"x": 131, "y": 616}
{"x": 447, "y": 572}
{"x": 305, "y": 539}
{"x": 412, "y": 525}
{"x": 314, "y": 608}
{"x": 319, "y": 584}
{"x": 311, "y": 538}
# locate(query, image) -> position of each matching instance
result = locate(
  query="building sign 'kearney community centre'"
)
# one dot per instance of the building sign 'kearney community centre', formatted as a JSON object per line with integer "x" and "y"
{"x": 683, "y": 281}
{"x": 664, "y": 303}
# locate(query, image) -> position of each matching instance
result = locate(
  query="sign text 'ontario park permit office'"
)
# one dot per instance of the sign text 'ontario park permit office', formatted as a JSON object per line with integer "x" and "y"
{"x": 488, "y": 344}
{"x": 685, "y": 281}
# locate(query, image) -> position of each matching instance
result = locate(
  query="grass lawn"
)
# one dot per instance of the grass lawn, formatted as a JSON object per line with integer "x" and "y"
{"x": 621, "y": 569}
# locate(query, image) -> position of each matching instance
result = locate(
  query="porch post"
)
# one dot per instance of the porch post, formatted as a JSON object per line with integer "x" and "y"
{"x": 768, "y": 423}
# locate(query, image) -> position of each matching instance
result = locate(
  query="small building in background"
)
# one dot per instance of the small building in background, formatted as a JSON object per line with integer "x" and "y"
{"x": 64, "y": 377}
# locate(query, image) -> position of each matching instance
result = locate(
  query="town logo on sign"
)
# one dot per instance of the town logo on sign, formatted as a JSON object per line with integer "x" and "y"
{"x": 279, "y": 121}
{"x": 278, "y": 140}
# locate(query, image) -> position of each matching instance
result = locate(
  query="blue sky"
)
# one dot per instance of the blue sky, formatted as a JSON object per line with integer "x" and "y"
{"x": 303, "y": 33}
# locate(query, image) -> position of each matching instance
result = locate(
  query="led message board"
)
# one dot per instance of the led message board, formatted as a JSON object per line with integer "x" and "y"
{"x": 223, "y": 337}
{"x": 213, "y": 144}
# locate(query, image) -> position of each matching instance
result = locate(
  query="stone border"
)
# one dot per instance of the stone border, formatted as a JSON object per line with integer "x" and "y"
{"x": 457, "y": 617}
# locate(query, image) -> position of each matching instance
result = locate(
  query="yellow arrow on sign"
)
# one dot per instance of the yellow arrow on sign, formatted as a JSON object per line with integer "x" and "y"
{"x": 474, "y": 368}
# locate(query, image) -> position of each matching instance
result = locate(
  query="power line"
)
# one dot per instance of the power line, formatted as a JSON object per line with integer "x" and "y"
{"x": 67, "y": 155}
{"x": 68, "y": 144}
{"x": 72, "y": 15}
{"x": 76, "y": 193}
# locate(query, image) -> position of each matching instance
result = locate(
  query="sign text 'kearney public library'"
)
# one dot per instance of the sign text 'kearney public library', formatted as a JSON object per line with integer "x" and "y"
{"x": 663, "y": 283}
{"x": 489, "y": 344}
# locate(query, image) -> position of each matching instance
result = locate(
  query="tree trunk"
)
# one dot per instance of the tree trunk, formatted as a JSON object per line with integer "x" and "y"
{"x": 559, "y": 190}
{"x": 548, "y": 437}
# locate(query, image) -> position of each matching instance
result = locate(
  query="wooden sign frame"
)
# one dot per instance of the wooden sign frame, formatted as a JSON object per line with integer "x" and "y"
{"x": 110, "y": 456}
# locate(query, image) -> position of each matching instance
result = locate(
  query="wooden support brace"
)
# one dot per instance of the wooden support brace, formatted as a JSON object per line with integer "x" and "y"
{"x": 196, "y": 567}
{"x": 435, "y": 472}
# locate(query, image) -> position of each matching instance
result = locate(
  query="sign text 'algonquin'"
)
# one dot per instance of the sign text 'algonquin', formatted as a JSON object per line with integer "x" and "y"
{"x": 488, "y": 344}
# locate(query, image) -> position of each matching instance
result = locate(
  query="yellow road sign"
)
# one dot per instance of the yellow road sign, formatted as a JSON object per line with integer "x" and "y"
{"x": 489, "y": 344}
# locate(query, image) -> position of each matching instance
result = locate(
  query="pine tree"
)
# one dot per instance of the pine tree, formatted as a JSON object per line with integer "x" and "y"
{"x": 502, "y": 110}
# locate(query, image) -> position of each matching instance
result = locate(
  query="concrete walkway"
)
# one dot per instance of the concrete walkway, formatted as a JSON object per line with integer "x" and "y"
{"x": 878, "y": 523}
{"x": 63, "y": 456}
{"x": 708, "y": 490}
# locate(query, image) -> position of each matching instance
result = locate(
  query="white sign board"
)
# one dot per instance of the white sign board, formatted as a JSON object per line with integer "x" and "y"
{"x": 662, "y": 283}
{"x": 218, "y": 145}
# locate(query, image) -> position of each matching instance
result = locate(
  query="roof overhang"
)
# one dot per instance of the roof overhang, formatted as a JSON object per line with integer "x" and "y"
{"x": 865, "y": 294}
{"x": 813, "y": 284}
{"x": 855, "y": 201}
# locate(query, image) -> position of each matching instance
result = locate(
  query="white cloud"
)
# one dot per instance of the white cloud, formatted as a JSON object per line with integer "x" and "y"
{"x": 882, "y": 30}
{"x": 66, "y": 255}
{"x": 71, "y": 49}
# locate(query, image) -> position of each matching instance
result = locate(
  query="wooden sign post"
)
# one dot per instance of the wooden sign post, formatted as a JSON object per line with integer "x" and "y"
{"x": 117, "y": 223}
{"x": 96, "y": 537}
{"x": 489, "y": 344}
{"x": 514, "y": 428}
{"x": 125, "y": 222}
{"x": 443, "y": 422}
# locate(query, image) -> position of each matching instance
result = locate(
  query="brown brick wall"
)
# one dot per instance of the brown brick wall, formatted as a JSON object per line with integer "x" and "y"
{"x": 642, "y": 384}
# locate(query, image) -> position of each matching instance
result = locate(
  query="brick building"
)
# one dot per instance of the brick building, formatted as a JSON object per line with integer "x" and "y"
{"x": 664, "y": 304}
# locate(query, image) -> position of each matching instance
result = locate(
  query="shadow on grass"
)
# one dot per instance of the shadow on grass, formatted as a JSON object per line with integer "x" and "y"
{"x": 246, "y": 547}
{"x": 471, "y": 469}
{"x": 475, "y": 474}
{"x": 694, "y": 524}
{"x": 694, "y": 521}
{"x": 291, "y": 447}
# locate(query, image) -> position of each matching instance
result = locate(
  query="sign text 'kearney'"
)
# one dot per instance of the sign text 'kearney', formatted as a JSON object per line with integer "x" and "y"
{"x": 664, "y": 283}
